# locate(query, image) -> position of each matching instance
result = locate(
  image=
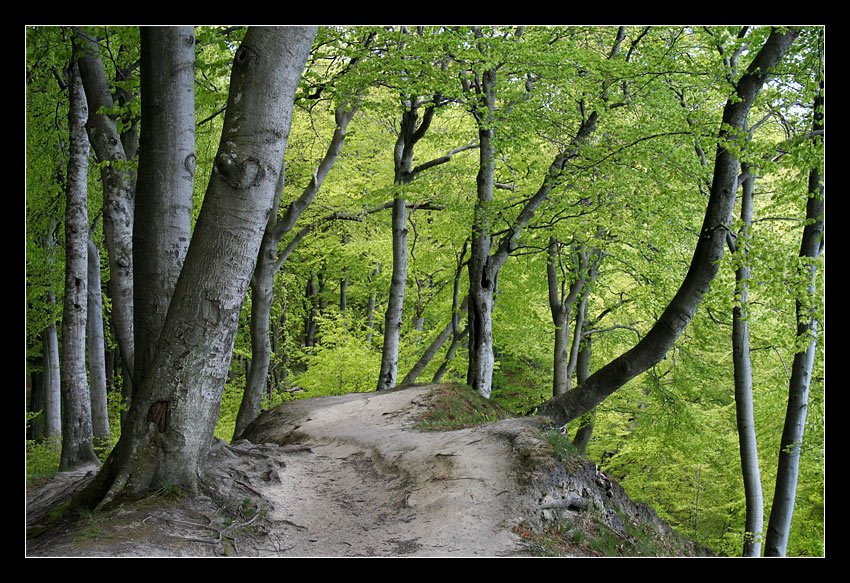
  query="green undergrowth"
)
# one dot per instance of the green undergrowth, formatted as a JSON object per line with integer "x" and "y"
{"x": 563, "y": 539}
{"x": 455, "y": 406}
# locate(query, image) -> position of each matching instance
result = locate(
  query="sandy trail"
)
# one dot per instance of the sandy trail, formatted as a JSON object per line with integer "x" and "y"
{"x": 356, "y": 479}
{"x": 352, "y": 476}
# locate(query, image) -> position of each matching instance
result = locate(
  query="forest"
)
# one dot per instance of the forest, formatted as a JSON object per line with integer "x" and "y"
{"x": 620, "y": 228}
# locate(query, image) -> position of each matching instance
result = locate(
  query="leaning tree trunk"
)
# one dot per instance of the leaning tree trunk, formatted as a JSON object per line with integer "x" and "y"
{"x": 269, "y": 263}
{"x": 165, "y": 184}
{"x": 171, "y": 420}
{"x": 779, "y": 525}
{"x": 429, "y": 353}
{"x": 77, "y": 447}
{"x": 704, "y": 264}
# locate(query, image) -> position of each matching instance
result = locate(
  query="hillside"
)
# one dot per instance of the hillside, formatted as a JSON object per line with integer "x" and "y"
{"x": 358, "y": 476}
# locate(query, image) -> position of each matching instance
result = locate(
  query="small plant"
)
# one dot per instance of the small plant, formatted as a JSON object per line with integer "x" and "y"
{"x": 562, "y": 445}
{"x": 90, "y": 526}
{"x": 248, "y": 508}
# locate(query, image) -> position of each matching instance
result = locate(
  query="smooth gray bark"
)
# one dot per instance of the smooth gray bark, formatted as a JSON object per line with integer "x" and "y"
{"x": 96, "y": 349}
{"x": 171, "y": 420}
{"x": 561, "y": 302}
{"x": 744, "y": 414}
{"x": 704, "y": 264}
{"x": 779, "y": 525}
{"x": 395, "y": 304}
{"x": 118, "y": 186}
{"x": 165, "y": 184}
{"x": 482, "y": 278}
{"x": 50, "y": 377}
{"x": 269, "y": 263}
{"x": 410, "y": 132}
{"x": 77, "y": 447}
{"x": 485, "y": 261}
{"x": 52, "y": 380}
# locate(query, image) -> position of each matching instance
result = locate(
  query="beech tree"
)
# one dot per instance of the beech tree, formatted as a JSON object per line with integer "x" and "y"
{"x": 744, "y": 381}
{"x": 811, "y": 247}
{"x": 96, "y": 347}
{"x": 564, "y": 295}
{"x": 412, "y": 129}
{"x": 118, "y": 187}
{"x": 270, "y": 261}
{"x": 489, "y": 247}
{"x": 170, "y": 424}
{"x": 77, "y": 446}
{"x": 165, "y": 184}
{"x": 709, "y": 249}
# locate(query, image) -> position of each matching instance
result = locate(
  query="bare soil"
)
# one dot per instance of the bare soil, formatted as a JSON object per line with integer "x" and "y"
{"x": 356, "y": 476}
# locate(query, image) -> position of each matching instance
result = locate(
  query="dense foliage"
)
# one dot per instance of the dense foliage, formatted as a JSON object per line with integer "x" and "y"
{"x": 636, "y": 192}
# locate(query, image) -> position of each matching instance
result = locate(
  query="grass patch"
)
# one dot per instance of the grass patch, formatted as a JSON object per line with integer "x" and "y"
{"x": 455, "y": 406}
{"x": 562, "y": 445}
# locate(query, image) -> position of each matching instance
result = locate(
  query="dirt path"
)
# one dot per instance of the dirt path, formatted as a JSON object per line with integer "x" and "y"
{"x": 363, "y": 482}
{"x": 352, "y": 476}
{"x": 344, "y": 476}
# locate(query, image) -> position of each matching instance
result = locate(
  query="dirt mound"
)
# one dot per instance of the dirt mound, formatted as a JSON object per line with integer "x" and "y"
{"x": 356, "y": 476}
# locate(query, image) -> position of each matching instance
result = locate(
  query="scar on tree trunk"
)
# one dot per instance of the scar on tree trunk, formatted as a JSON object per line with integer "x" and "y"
{"x": 157, "y": 414}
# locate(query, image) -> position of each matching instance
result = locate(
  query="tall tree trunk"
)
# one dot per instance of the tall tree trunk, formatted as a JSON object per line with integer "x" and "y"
{"x": 410, "y": 132}
{"x": 450, "y": 353}
{"x": 165, "y": 185}
{"x": 172, "y": 417}
{"x": 370, "y": 308}
{"x": 704, "y": 264}
{"x": 118, "y": 185}
{"x": 754, "y": 522}
{"x": 395, "y": 305}
{"x": 586, "y": 421}
{"x": 779, "y": 525}
{"x": 51, "y": 370}
{"x": 408, "y": 136}
{"x": 95, "y": 344}
{"x": 482, "y": 282}
{"x": 52, "y": 380}
{"x": 485, "y": 262}
{"x": 77, "y": 447}
{"x": 561, "y": 302}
